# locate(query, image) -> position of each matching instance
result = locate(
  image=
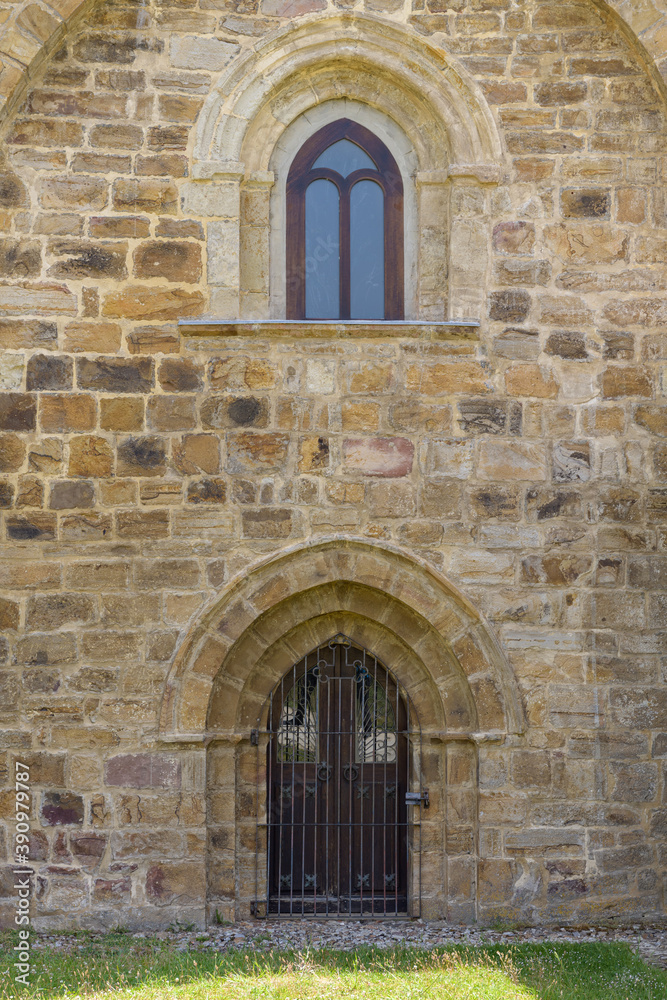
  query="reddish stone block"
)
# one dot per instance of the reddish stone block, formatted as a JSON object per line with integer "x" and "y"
{"x": 61, "y": 809}
{"x": 143, "y": 770}
{"x": 385, "y": 457}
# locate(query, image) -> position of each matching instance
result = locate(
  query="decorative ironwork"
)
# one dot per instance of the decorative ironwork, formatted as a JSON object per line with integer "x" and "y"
{"x": 344, "y": 746}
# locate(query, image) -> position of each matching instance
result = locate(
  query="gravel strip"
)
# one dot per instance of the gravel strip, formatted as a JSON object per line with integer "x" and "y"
{"x": 345, "y": 935}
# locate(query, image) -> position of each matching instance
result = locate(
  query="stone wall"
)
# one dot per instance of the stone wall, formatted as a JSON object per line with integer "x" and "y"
{"x": 145, "y": 471}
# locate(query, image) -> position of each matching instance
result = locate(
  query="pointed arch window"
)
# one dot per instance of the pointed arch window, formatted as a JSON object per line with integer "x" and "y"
{"x": 344, "y": 227}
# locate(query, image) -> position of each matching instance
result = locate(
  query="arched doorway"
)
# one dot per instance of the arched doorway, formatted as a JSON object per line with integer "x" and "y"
{"x": 343, "y": 750}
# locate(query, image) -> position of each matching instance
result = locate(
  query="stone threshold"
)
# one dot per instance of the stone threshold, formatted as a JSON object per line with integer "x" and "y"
{"x": 460, "y": 330}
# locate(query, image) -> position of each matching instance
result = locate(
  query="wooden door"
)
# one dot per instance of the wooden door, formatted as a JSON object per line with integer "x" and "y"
{"x": 338, "y": 763}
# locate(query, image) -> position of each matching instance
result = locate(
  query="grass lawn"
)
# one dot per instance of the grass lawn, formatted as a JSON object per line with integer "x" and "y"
{"x": 116, "y": 966}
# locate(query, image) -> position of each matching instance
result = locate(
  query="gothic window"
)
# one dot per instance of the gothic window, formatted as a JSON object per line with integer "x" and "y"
{"x": 344, "y": 227}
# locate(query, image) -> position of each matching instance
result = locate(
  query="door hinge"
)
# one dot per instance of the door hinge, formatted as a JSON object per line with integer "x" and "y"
{"x": 254, "y": 737}
{"x": 417, "y": 798}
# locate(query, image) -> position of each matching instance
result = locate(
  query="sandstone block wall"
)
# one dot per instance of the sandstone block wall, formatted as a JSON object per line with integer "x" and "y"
{"x": 144, "y": 470}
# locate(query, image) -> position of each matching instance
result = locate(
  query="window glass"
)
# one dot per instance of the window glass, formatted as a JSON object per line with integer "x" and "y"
{"x": 344, "y": 157}
{"x": 322, "y": 251}
{"x": 297, "y": 730}
{"x": 367, "y": 250}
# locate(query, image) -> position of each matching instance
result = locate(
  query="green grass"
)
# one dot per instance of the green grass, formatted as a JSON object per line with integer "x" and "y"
{"x": 116, "y": 967}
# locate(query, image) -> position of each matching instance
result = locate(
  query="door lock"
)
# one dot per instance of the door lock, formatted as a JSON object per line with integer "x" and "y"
{"x": 417, "y": 798}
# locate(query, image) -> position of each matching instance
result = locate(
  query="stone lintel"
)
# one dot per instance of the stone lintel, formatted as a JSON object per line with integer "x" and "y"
{"x": 483, "y": 173}
{"x": 454, "y": 330}
{"x": 494, "y": 736}
{"x": 207, "y": 170}
{"x": 186, "y": 738}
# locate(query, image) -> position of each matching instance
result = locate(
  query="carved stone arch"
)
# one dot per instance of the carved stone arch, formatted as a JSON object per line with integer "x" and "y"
{"x": 397, "y": 596}
{"x": 260, "y": 93}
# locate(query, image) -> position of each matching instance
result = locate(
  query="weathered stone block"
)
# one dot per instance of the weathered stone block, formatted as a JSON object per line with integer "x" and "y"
{"x": 46, "y": 612}
{"x": 12, "y": 452}
{"x": 571, "y": 462}
{"x": 254, "y": 452}
{"x": 384, "y": 457}
{"x": 92, "y": 337}
{"x": 17, "y": 411}
{"x": 90, "y": 456}
{"x": 391, "y": 499}
{"x": 148, "y": 302}
{"x": 271, "y": 522}
{"x": 197, "y": 453}
{"x": 171, "y": 413}
{"x": 510, "y": 305}
{"x": 143, "y": 524}
{"x": 68, "y": 495}
{"x": 145, "y": 195}
{"x": 450, "y": 458}
{"x": 141, "y": 456}
{"x": 115, "y": 374}
{"x": 122, "y": 414}
{"x": 172, "y": 260}
{"x": 517, "y": 460}
{"x": 192, "y": 52}
{"x": 180, "y": 375}
{"x": 626, "y": 380}
{"x": 143, "y": 771}
{"x": 62, "y": 414}
{"x": 61, "y": 809}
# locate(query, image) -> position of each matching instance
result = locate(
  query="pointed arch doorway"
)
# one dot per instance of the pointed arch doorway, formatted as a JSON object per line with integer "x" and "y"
{"x": 342, "y": 755}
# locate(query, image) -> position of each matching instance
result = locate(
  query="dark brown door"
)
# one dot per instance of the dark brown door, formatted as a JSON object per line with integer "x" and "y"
{"x": 337, "y": 780}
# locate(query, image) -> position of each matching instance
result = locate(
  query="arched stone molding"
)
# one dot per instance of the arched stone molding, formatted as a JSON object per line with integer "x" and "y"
{"x": 250, "y": 96}
{"x": 406, "y": 598}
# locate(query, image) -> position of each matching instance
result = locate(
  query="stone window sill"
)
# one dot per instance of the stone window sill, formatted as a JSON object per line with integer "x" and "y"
{"x": 457, "y": 331}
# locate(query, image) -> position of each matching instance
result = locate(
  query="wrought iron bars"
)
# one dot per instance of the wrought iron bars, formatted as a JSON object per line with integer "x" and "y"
{"x": 344, "y": 747}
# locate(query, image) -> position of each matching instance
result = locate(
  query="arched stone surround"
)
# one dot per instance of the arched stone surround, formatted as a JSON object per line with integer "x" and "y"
{"x": 461, "y": 688}
{"x": 428, "y": 98}
{"x": 428, "y": 604}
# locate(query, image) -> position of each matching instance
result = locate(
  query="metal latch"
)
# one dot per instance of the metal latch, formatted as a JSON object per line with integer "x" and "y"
{"x": 254, "y": 737}
{"x": 417, "y": 798}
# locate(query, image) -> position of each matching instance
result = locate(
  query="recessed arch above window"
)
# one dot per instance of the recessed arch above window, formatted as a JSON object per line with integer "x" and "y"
{"x": 344, "y": 227}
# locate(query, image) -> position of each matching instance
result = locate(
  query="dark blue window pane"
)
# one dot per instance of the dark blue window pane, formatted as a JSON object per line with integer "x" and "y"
{"x": 344, "y": 157}
{"x": 367, "y": 251}
{"x": 322, "y": 251}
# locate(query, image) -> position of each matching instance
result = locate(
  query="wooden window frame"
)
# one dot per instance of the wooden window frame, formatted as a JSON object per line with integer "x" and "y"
{"x": 387, "y": 175}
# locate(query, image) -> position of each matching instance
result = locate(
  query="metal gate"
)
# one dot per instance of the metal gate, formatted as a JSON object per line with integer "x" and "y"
{"x": 343, "y": 776}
